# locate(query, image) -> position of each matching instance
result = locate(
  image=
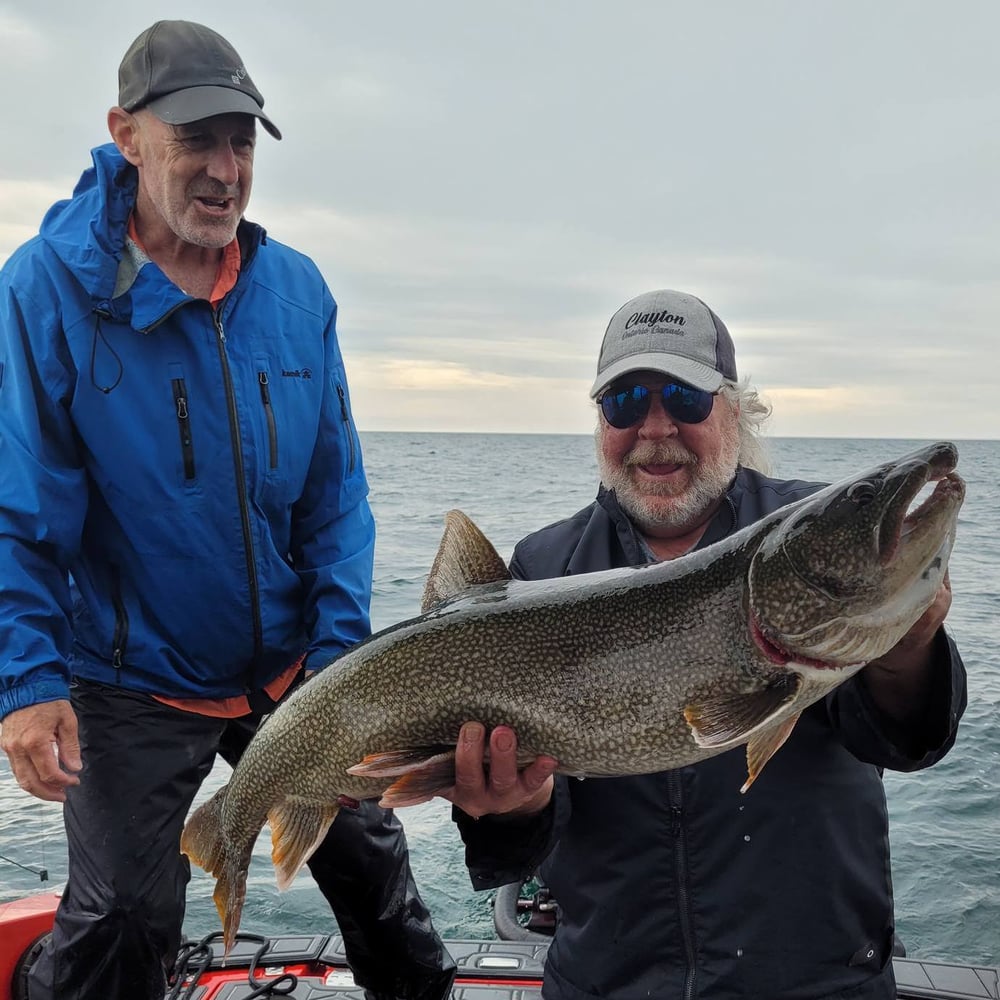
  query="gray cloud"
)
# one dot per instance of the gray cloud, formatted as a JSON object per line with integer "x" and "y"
{"x": 483, "y": 184}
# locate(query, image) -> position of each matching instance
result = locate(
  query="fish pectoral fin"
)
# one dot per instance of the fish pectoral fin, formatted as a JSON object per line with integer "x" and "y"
{"x": 464, "y": 559}
{"x": 297, "y": 828}
{"x": 764, "y": 745}
{"x": 420, "y": 773}
{"x": 729, "y": 719}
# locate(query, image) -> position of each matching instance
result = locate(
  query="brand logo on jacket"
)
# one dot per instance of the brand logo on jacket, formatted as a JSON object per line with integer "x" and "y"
{"x": 296, "y": 373}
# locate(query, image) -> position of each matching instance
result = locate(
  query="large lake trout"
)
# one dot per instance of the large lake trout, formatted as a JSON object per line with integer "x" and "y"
{"x": 621, "y": 672}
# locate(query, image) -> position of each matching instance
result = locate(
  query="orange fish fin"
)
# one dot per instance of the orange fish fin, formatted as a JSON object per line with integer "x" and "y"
{"x": 297, "y": 828}
{"x": 394, "y": 763}
{"x": 422, "y": 784}
{"x": 721, "y": 720}
{"x": 764, "y": 745}
{"x": 464, "y": 559}
{"x": 419, "y": 774}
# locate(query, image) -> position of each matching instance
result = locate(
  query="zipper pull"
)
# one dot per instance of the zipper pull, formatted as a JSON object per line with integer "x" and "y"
{"x": 676, "y": 817}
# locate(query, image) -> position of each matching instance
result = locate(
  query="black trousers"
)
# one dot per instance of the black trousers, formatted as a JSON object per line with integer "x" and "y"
{"x": 118, "y": 926}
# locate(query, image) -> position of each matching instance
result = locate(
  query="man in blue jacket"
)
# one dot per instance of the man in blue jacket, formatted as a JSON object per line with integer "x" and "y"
{"x": 674, "y": 884}
{"x": 184, "y": 526}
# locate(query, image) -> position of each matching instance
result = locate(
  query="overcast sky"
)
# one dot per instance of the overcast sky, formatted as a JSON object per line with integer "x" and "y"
{"x": 484, "y": 183}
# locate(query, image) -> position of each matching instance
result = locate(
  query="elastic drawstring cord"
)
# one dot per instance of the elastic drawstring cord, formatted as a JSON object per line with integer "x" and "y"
{"x": 99, "y": 333}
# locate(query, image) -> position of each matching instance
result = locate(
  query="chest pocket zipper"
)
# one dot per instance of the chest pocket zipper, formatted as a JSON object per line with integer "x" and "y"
{"x": 184, "y": 426}
{"x": 272, "y": 424}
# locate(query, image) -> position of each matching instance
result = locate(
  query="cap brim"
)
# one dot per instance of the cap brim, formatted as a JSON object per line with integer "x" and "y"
{"x": 192, "y": 105}
{"x": 692, "y": 372}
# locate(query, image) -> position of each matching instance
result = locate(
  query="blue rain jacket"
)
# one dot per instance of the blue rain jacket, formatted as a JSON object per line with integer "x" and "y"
{"x": 183, "y": 506}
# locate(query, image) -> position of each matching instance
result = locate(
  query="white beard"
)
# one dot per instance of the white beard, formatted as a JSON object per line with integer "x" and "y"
{"x": 654, "y": 508}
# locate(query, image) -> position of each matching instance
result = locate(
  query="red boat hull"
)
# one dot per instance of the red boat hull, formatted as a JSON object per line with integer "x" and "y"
{"x": 317, "y": 961}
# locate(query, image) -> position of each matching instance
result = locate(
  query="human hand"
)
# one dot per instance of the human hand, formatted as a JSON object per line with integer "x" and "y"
{"x": 503, "y": 788}
{"x": 900, "y": 680}
{"x": 43, "y": 745}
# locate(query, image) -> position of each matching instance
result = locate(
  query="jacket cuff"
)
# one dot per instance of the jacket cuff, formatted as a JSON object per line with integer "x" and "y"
{"x": 500, "y": 849}
{"x": 35, "y": 692}
{"x": 922, "y": 742}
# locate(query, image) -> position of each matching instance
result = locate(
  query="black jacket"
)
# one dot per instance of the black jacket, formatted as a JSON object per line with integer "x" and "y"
{"x": 676, "y": 885}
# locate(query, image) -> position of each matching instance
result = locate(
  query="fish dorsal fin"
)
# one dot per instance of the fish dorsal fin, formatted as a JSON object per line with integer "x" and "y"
{"x": 464, "y": 558}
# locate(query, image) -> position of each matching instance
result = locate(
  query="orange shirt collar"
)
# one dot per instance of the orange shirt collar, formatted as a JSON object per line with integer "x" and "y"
{"x": 229, "y": 266}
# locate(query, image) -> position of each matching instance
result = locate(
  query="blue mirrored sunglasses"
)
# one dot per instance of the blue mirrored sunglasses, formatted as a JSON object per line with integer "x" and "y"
{"x": 626, "y": 405}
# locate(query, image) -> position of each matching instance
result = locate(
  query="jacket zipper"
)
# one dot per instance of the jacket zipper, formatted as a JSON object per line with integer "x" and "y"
{"x": 241, "y": 491}
{"x": 272, "y": 426}
{"x": 184, "y": 425}
{"x": 675, "y": 795}
{"x": 119, "y": 639}
{"x": 345, "y": 416}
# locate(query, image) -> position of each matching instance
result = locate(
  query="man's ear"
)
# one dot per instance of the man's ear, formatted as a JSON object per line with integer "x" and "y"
{"x": 124, "y": 131}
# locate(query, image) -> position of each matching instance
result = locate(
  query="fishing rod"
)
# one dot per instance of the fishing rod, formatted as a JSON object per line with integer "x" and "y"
{"x": 42, "y": 873}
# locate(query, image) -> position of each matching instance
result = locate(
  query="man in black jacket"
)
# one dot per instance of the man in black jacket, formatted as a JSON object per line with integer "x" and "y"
{"x": 674, "y": 884}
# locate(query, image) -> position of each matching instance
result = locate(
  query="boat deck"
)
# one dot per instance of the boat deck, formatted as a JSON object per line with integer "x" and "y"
{"x": 512, "y": 970}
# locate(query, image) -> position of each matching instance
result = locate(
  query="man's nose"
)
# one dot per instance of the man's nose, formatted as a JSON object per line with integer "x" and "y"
{"x": 222, "y": 165}
{"x": 657, "y": 423}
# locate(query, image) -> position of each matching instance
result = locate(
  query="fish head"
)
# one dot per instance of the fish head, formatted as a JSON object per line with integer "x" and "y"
{"x": 840, "y": 580}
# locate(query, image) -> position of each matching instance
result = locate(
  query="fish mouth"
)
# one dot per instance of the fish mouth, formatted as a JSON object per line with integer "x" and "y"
{"x": 903, "y": 525}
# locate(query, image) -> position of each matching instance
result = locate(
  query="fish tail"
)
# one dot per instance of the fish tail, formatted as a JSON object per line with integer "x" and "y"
{"x": 204, "y": 843}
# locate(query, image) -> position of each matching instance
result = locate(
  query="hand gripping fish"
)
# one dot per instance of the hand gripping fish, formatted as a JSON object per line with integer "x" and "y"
{"x": 626, "y": 671}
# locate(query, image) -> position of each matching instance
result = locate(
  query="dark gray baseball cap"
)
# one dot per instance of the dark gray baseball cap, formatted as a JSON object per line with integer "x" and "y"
{"x": 184, "y": 72}
{"x": 669, "y": 332}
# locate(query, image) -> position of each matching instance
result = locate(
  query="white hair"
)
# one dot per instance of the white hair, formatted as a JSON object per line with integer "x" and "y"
{"x": 753, "y": 413}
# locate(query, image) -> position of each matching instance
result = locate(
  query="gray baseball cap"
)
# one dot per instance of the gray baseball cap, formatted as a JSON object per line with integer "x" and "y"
{"x": 669, "y": 332}
{"x": 184, "y": 72}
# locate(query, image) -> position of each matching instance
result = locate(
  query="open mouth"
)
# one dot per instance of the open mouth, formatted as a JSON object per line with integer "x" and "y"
{"x": 660, "y": 470}
{"x": 215, "y": 204}
{"x": 904, "y": 522}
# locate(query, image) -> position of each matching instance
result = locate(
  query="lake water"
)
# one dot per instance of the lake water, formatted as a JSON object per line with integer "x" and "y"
{"x": 945, "y": 831}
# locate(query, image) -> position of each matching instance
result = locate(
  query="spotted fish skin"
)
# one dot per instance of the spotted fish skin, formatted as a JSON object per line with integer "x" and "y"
{"x": 620, "y": 672}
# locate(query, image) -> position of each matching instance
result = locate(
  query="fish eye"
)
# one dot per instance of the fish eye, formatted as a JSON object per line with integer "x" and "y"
{"x": 861, "y": 493}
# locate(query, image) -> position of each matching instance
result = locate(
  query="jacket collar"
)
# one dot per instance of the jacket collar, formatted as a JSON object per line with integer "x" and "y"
{"x": 88, "y": 232}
